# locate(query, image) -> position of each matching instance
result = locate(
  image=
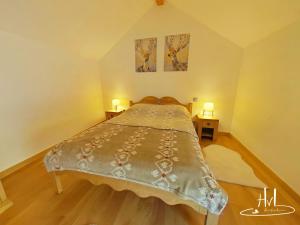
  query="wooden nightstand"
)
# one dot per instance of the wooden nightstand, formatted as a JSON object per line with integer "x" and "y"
{"x": 112, "y": 113}
{"x": 207, "y": 127}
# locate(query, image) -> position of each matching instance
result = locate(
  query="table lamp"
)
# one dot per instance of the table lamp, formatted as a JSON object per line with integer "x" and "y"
{"x": 208, "y": 109}
{"x": 115, "y": 103}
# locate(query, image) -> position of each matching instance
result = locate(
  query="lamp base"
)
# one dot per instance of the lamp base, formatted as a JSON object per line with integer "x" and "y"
{"x": 208, "y": 113}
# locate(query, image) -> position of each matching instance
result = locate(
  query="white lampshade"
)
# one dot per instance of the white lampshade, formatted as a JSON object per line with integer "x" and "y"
{"x": 208, "y": 106}
{"x": 208, "y": 109}
{"x": 115, "y": 102}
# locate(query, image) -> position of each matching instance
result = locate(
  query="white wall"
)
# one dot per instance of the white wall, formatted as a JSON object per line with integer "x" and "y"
{"x": 267, "y": 111}
{"x": 46, "y": 95}
{"x": 214, "y": 65}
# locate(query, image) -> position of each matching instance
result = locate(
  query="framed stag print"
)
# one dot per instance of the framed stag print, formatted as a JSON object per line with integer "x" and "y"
{"x": 177, "y": 52}
{"x": 145, "y": 55}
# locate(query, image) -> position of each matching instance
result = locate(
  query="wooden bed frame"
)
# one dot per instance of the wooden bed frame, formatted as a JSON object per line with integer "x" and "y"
{"x": 139, "y": 189}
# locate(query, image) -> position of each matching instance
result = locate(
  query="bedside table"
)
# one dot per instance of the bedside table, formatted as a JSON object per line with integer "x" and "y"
{"x": 207, "y": 127}
{"x": 112, "y": 113}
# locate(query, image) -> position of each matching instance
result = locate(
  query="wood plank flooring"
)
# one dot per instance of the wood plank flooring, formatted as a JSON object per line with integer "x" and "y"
{"x": 35, "y": 202}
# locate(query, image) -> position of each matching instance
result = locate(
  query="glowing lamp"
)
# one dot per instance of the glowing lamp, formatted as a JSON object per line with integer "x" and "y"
{"x": 115, "y": 103}
{"x": 208, "y": 109}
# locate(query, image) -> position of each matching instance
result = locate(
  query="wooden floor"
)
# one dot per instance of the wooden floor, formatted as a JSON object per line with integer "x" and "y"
{"x": 35, "y": 202}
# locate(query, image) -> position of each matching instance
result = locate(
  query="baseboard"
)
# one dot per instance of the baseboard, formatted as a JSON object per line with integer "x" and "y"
{"x": 22, "y": 164}
{"x": 223, "y": 133}
{"x": 282, "y": 184}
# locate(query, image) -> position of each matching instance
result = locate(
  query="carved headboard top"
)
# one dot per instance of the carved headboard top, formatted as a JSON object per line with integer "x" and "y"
{"x": 162, "y": 101}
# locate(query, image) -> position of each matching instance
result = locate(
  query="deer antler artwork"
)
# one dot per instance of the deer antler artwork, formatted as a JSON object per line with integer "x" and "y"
{"x": 177, "y": 52}
{"x": 145, "y": 55}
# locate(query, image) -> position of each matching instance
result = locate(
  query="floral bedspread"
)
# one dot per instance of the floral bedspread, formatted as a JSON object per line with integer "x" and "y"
{"x": 148, "y": 144}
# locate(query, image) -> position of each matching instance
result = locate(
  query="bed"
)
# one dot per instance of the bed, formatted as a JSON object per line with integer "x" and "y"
{"x": 151, "y": 149}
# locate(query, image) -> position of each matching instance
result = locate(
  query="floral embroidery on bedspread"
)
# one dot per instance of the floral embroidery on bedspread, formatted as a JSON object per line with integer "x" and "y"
{"x": 85, "y": 155}
{"x": 53, "y": 157}
{"x": 166, "y": 158}
{"x": 209, "y": 193}
{"x": 122, "y": 156}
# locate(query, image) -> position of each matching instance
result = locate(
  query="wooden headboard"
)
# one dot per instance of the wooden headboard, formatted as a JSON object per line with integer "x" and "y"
{"x": 162, "y": 101}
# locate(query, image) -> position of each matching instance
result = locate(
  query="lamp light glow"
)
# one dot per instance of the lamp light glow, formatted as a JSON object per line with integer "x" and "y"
{"x": 208, "y": 109}
{"x": 115, "y": 103}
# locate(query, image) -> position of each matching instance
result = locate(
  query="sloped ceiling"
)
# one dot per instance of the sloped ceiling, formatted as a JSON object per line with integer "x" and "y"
{"x": 87, "y": 27}
{"x": 242, "y": 21}
{"x": 92, "y": 27}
